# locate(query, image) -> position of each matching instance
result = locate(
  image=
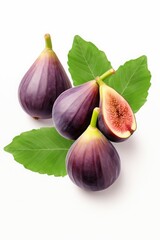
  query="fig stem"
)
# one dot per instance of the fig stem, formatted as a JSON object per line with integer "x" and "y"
{"x": 94, "y": 117}
{"x": 48, "y": 41}
{"x": 107, "y": 74}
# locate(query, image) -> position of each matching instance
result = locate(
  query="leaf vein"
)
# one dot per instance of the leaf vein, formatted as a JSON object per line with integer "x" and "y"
{"x": 41, "y": 149}
{"x": 85, "y": 59}
{"x": 130, "y": 79}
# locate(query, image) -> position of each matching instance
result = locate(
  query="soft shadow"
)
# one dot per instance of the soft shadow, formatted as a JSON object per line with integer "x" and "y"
{"x": 110, "y": 193}
{"x": 128, "y": 147}
{"x": 42, "y": 122}
{"x": 46, "y": 122}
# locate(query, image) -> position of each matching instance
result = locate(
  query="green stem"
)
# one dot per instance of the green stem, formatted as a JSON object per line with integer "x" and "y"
{"x": 48, "y": 41}
{"x": 107, "y": 74}
{"x": 100, "y": 79}
{"x": 94, "y": 117}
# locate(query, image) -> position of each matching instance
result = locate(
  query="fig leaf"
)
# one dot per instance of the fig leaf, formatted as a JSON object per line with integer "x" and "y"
{"x": 86, "y": 61}
{"x": 42, "y": 150}
{"x": 132, "y": 81}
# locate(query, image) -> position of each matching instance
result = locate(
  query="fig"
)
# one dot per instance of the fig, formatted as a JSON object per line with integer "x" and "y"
{"x": 73, "y": 109}
{"x": 116, "y": 119}
{"x": 45, "y": 80}
{"x": 92, "y": 162}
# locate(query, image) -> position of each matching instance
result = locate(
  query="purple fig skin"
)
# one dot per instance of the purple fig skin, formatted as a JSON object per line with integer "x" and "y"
{"x": 92, "y": 161}
{"x": 73, "y": 109}
{"x": 42, "y": 84}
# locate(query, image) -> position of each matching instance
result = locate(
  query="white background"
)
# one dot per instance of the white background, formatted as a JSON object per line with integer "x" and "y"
{"x": 38, "y": 207}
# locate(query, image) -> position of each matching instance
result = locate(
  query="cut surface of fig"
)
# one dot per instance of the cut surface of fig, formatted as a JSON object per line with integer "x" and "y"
{"x": 92, "y": 161}
{"x": 116, "y": 119}
{"x": 73, "y": 109}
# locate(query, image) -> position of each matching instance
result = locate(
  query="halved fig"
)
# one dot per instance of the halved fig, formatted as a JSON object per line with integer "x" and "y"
{"x": 116, "y": 119}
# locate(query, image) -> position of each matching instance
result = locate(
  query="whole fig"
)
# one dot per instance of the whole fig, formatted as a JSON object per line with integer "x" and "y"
{"x": 92, "y": 161}
{"x": 73, "y": 109}
{"x": 116, "y": 119}
{"x": 45, "y": 80}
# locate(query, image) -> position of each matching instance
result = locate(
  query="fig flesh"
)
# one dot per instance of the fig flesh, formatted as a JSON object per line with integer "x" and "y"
{"x": 45, "y": 80}
{"x": 73, "y": 109}
{"x": 92, "y": 161}
{"x": 116, "y": 119}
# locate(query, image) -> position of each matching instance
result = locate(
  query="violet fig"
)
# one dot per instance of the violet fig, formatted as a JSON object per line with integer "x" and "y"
{"x": 72, "y": 110}
{"x": 116, "y": 119}
{"x": 45, "y": 80}
{"x": 92, "y": 161}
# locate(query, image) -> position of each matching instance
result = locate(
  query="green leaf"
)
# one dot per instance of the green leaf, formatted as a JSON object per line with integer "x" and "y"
{"x": 42, "y": 150}
{"x": 132, "y": 81}
{"x": 86, "y": 61}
